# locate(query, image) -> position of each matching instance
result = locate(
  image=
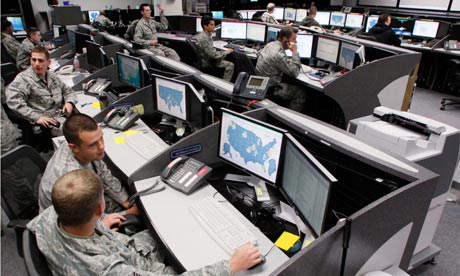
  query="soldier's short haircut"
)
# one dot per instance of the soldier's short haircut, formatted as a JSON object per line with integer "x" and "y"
{"x": 41, "y": 50}
{"x": 31, "y": 31}
{"x": 286, "y": 32}
{"x": 75, "y": 124}
{"x": 75, "y": 197}
{"x": 6, "y": 24}
{"x": 142, "y": 6}
{"x": 206, "y": 20}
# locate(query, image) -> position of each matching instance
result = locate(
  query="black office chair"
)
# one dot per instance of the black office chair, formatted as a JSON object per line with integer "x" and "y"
{"x": 257, "y": 16}
{"x": 452, "y": 84}
{"x": 367, "y": 37}
{"x": 242, "y": 63}
{"x": 6, "y": 58}
{"x": 22, "y": 169}
{"x": 9, "y": 71}
{"x": 34, "y": 259}
{"x": 195, "y": 61}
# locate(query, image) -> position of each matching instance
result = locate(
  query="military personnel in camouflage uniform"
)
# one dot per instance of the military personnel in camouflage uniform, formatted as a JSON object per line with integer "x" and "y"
{"x": 77, "y": 243}
{"x": 146, "y": 33}
{"x": 268, "y": 16}
{"x": 85, "y": 150}
{"x": 40, "y": 96}
{"x": 33, "y": 39}
{"x": 103, "y": 20}
{"x": 309, "y": 21}
{"x": 210, "y": 57}
{"x": 273, "y": 62}
{"x": 8, "y": 41}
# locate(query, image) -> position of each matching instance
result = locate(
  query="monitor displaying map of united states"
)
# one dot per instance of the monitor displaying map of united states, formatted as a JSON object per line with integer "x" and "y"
{"x": 171, "y": 98}
{"x": 251, "y": 146}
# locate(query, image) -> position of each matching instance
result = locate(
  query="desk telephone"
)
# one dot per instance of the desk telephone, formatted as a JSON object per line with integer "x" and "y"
{"x": 96, "y": 86}
{"x": 250, "y": 87}
{"x": 65, "y": 70}
{"x": 185, "y": 174}
{"x": 121, "y": 119}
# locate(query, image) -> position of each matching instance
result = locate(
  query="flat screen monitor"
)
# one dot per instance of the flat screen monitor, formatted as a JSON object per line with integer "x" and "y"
{"x": 304, "y": 45}
{"x": 93, "y": 15}
{"x": 354, "y": 20}
{"x": 251, "y": 14}
{"x": 251, "y": 145}
{"x": 198, "y": 28}
{"x": 337, "y": 19}
{"x": 323, "y": 17}
{"x": 427, "y": 29}
{"x": 272, "y": 33}
{"x": 217, "y": 14}
{"x": 171, "y": 98}
{"x": 233, "y": 30}
{"x": 327, "y": 49}
{"x": 80, "y": 41}
{"x": 17, "y": 23}
{"x": 256, "y": 32}
{"x": 130, "y": 70}
{"x": 96, "y": 56}
{"x": 300, "y": 15}
{"x": 58, "y": 30}
{"x": 402, "y": 26}
{"x": 347, "y": 55}
{"x": 278, "y": 13}
{"x": 371, "y": 21}
{"x": 306, "y": 185}
{"x": 71, "y": 36}
{"x": 289, "y": 14}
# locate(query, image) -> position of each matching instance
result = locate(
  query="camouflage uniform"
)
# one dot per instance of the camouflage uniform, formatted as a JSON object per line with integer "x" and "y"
{"x": 273, "y": 62}
{"x": 10, "y": 134}
{"x": 63, "y": 161}
{"x": 33, "y": 97}
{"x": 269, "y": 18}
{"x": 23, "y": 58}
{"x": 103, "y": 20}
{"x": 310, "y": 22}
{"x": 105, "y": 252}
{"x": 210, "y": 57}
{"x": 147, "y": 31}
{"x": 11, "y": 45}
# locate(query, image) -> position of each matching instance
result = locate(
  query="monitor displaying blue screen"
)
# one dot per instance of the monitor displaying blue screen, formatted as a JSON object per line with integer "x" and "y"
{"x": 233, "y": 30}
{"x": 371, "y": 21}
{"x": 251, "y": 145}
{"x": 93, "y": 15}
{"x": 218, "y": 14}
{"x": 323, "y": 17}
{"x": 337, "y": 19}
{"x": 272, "y": 34}
{"x": 347, "y": 55}
{"x": 129, "y": 70}
{"x": 402, "y": 25}
{"x": 17, "y": 23}
{"x": 171, "y": 98}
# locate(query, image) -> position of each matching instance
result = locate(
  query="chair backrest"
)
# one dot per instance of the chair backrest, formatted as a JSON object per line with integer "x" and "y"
{"x": 21, "y": 173}
{"x": 34, "y": 259}
{"x": 6, "y": 57}
{"x": 243, "y": 63}
{"x": 194, "y": 58}
{"x": 367, "y": 37}
{"x": 9, "y": 72}
{"x": 129, "y": 35}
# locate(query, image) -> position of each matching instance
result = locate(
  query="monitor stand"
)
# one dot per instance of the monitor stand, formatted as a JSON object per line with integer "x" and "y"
{"x": 178, "y": 124}
{"x": 259, "y": 185}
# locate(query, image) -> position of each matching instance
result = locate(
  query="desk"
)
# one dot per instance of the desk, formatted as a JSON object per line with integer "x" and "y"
{"x": 168, "y": 213}
{"x": 87, "y": 104}
{"x": 219, "y": 44}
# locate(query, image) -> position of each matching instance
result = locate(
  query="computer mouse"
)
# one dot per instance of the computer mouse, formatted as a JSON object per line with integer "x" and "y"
{"x": 262, "y": 257}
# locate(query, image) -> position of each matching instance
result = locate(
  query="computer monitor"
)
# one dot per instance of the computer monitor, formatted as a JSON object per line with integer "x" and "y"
{"x": 323, "y": 17}
{"x": 171, "y": 98}
{"x": 347, "y": 55}
{"x": 256, "y": 32}
{"x": 217, "y": 14}
{"x": 80, "y": 41}
{"x": 198, "y": 28}
{"x": 371, "y": 21}
{"x": 337, "y": 19}
{"x": 304, "y": 45}
{"x": 251, "y": 145}
{"x": 402, "y": 26}
{"x": 327, "y": 49}
{"x": 289, "y": 14}
{"x": 306, "y": 184}
{"x": 278, "y": 13}
{"x": 300, "y": 15}
{"x": 427, "y": 29}
{"x": 17, "y": 22}
{"x": 233, "y": 30}
{"x": 58, "y": 30}
{"x": 130, "y": 70}
{"x": 272, "y": 33}
{"x": 93, "y": 15}
{"x": 96, "y": 56}
{"x": 71, "y": 36}
{"x": 354, "y": 20}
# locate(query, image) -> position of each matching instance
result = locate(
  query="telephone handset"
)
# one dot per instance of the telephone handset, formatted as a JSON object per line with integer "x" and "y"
{"x": 65, "y": 70}
{"x": 185, "y": 174}
{"x": 96, "y": 86}
{"x": 121, "y": 119}
{"x": 250, "y": 87}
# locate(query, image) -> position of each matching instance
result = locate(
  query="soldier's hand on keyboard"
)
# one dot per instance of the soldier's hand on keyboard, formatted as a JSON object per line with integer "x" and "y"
{"x": 113, "y": 221}
{"x": 153, "y": 42}
{"x": 245, "y": 257}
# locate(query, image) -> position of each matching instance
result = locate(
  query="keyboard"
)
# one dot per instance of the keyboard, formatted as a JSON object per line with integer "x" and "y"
{"x": 144, "y": 145}
{"x": 223, "y": 226}
{"x": 235, "y": 47}
{"x": 431, "y": 43}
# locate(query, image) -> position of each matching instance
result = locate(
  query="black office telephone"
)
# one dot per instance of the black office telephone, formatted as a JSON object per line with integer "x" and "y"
{"x": 185, "y": 174}
{"x": 250, "y": 87}
{"x": 96, "y": 86}
{"x": 121, "y": 119}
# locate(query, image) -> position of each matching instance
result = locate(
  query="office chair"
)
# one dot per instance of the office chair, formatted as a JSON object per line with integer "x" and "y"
{"x": 452, "y": 84}
{"x": 242, "y": 63}
{"x": 257, "y": 16}
{"x": 195, "y": 61}
{"x": 367, "y": 37}
{"x": 6, "y": 57}
{"x": 34, "y": 259}
{"x": 9, "y": 71}
{"x": 22, "y": 169}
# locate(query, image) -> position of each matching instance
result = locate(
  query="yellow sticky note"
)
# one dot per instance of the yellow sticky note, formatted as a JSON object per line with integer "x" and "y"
{"x": 119, "y": 140}
{"x": 286, "y": 240}
{"x": 96, "y": 105}
{"x": 131, "y": 132}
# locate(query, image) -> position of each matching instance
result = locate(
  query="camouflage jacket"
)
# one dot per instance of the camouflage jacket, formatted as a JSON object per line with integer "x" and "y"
{"x": 208, "y": 54}
{"x": 103, "y": 20}
{"x": 9, "y": 133}
{"x": 23, "y": 57}
{"x": 147, "y": 31}
{"x": 11, "y": 45}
